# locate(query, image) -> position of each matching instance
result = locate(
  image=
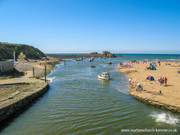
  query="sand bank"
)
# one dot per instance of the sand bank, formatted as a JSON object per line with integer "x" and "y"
{"x": 169, "y": 97}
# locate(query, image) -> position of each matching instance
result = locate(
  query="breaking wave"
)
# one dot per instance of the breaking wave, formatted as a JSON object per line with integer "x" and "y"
{"x": 165, "y": 118}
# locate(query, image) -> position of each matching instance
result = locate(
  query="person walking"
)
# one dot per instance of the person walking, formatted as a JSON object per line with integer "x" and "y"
{"x": 165, "y": 81}
{"x": 161, "y": 80}
{"x": 159, "y": 63}
{"x": 129, "y": 80}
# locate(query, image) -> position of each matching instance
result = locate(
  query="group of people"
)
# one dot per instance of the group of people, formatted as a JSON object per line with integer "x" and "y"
{"x": 139, "y": 87}
{"x": 163, "y": 80}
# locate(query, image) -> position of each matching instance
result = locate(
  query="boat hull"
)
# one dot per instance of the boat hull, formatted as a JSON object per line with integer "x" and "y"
{"x": 103, "y": 78}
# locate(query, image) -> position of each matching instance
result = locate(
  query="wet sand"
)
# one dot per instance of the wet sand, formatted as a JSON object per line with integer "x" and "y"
{"x": 169, "y": 97}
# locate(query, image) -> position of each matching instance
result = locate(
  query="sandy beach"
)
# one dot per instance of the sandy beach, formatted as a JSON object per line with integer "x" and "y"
{"x": 160, "y": 95}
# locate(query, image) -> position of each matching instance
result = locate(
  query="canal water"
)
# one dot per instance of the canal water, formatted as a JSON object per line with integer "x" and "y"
{"x": 79, "y": 103}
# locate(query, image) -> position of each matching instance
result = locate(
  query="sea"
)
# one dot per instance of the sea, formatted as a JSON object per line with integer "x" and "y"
{"x": 78, "y": 103}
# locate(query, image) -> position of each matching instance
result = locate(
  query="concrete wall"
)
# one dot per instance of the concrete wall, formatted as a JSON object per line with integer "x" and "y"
{"x": 6, "y": 66}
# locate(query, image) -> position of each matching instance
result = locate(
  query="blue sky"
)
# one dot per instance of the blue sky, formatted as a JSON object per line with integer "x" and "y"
{"x": 92, "y": 25}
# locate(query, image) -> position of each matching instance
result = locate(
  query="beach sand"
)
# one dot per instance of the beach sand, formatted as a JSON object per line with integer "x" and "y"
{"x": 169, "y": 97}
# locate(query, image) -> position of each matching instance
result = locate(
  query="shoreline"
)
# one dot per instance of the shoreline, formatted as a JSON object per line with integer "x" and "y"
{"x": 153, "y": 93}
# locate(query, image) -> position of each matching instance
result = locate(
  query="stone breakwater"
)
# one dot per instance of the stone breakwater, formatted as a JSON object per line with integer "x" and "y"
{"x": 13, "y": 105}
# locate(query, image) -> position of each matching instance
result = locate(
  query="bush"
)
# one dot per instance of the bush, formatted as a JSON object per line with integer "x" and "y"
{"x": 21, "y": 56}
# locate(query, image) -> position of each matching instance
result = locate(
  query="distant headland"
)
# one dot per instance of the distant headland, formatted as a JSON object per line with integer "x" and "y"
{"x": 104, "y": 54}
{"x": 7, "y": 49}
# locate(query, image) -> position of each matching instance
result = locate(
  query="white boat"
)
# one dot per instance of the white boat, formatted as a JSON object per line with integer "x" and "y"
{"x": 91, "y": 59}
{"x": 104, "y": 76}
{"x": 79, "y": 59}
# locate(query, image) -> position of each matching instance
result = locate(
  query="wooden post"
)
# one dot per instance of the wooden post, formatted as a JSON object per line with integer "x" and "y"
{"x": 33, "y": 72}
{"x": 45, "y": 72}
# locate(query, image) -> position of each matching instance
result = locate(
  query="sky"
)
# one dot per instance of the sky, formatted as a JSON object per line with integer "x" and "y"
{"x": 81, "y": 26}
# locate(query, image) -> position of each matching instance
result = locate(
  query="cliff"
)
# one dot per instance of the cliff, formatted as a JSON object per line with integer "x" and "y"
{"x": 6, "y": 51}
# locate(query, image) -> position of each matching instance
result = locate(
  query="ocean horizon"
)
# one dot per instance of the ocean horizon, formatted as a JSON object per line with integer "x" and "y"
{"x": 140, "y": 57}
{"x": 69, "y": 53}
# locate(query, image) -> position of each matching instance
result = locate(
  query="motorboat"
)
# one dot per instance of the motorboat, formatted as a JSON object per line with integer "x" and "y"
{"x": 104, "y": 76}
{"x": 91, "y": 59}
{"x": 79, "y": 59}
{"x": 109, "y": 62}
{"x": 93, "y": 66}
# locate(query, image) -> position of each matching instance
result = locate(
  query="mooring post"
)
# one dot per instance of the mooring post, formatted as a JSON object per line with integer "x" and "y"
{"x": 33, "y": 72}
{"x": 45, "y": 72}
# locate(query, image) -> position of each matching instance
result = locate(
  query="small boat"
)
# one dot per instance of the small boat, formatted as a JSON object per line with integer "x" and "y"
{"x": 109, "y": 62}
{"x": 92, "y": 66}
{"x": 79, "y": 59}
{"x": 104, "y": 76}
{"x": 91, "y": 59}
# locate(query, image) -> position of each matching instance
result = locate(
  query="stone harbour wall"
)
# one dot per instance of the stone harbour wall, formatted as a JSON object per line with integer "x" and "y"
{"x": 10, "y": 111}
{"x": 6, "y": 67}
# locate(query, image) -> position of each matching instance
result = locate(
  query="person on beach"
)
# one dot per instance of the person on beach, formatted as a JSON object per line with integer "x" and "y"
{"x": 129, "y": 80}
{"x": 130, "y": 83}
{"x": 159, "y": 63}
{"x": 139, "y": 87}
{"x": 165, "y": 81}
{"x": 161, "y": 80}
{"x": 148, "y": 78}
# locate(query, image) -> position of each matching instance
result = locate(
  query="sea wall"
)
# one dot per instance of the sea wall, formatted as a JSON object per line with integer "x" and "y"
{"x": 6, "y": 67}
{"x": 8, "y": 112}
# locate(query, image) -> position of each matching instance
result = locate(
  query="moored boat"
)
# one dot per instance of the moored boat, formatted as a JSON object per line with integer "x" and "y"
{"x": 91, "y": 59}
{"x": 104, "y": 76}
{"x": 109, "y": 62}
{"x": 93, "y": 66}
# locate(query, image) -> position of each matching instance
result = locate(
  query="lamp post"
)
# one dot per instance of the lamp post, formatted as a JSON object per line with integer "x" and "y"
{"x": 14, "y": 58}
